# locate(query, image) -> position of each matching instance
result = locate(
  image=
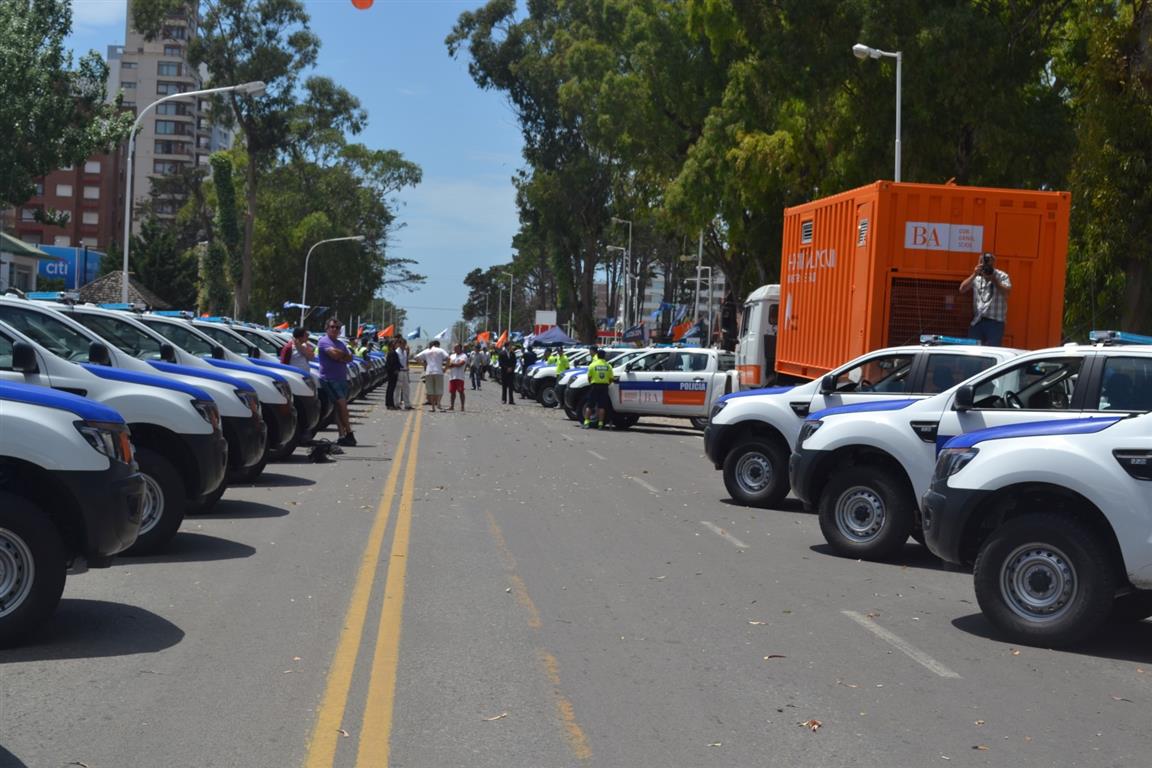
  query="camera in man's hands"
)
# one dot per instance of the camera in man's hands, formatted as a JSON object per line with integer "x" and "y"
{"x": 986, "y": 264}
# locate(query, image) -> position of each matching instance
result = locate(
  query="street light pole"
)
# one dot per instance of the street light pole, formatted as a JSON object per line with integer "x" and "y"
{"x": 627, "y": 272}
{"x": 509, "y": 274}
{"x": 251, "y": 89}
{"x": 304, "y": 292}
{"x": 863, "y": 52}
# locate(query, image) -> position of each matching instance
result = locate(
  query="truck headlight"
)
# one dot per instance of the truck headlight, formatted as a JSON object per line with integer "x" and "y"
{"x": 952, "y": 460}
{"x": 209, "y": 412}
{"x": 311, "y": 382}
{"x": 112, "y": 440}
{"x": 719, "y": 406}
{"x": 807, "y": 430}
{"x": 284, "y": 390}
{"x": 250, "y": 400}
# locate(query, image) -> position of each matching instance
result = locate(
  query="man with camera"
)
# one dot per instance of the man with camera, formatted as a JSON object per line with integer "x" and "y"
{"x": 990, "y": 288}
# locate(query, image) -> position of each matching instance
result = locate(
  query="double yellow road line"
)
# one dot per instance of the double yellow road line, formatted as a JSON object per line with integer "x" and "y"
{"x": 375, "y": 732}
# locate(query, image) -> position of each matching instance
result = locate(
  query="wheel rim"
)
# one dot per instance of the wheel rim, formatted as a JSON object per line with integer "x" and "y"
{"x": 153, "y": 504}
{"x": 754, "y": 472}
{"x": 860, "y": 514}
{"x": 548, "y": 396}
{"x": 17, "y": 571}
{"x": 1038, "y": 582}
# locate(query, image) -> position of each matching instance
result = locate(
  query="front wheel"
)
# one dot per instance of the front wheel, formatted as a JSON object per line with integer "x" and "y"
{"x": 866, "y": 513}
{"x": 164, "y": 503}
{"x": 547, "y": 396}
{"x": 1045, "y": 579}
{"x": 756, "y": 473}
{"x": 32, "y": 567}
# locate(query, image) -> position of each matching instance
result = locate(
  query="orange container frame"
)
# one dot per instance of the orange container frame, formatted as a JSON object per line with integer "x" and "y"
{"x": 879, "y": 265}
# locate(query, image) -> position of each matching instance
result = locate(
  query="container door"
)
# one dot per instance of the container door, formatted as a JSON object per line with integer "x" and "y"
{"x": 861, "y": 270}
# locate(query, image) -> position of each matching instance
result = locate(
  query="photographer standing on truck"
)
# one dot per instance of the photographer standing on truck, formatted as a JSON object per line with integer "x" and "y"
{"x": 990, "y": 288}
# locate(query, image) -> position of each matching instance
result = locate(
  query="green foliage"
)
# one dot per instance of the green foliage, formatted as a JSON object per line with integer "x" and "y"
{"x": 213, "y": 296}
{"x": 162, "y": 263}
{"x": 52, "y": 114}
{"x": 227, "y": 223}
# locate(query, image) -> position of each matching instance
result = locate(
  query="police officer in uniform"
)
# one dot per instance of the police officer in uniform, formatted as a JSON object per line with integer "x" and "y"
{"x": 599, "y": 379}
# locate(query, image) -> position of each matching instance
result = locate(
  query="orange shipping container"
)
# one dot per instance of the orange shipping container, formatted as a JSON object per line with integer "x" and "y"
{"x": 879, "y": 265}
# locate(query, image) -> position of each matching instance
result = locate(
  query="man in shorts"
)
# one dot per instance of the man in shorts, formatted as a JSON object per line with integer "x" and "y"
{"x": 334, "y": 358}
{"x": 600, "y": 377}
{"x": 457, "y": 362}
{"x": 433, "y": 359}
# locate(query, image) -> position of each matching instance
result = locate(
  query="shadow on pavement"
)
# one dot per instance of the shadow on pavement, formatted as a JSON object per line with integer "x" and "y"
{"x": 87, "y": 629}
{"x": 9, "y": 760}
{"x": 277, "y": 480}
{"x": 912, "y": 556}
{"x": 657, "y": 429}
{"x": 242, "y": 510}
{"x": 787, "y": 505}
{"x": 1130, "y": 641}
{"x": 190, "y": 547}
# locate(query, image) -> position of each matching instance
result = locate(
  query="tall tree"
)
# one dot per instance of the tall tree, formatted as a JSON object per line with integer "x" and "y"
{"x": 241, "y": 41}
{"x": 52, "y": 114}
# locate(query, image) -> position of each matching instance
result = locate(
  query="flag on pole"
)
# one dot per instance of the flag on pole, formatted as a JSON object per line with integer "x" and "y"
{"x": 440, "y": 336}
{"x": 484, "y": 337}
{"x": 283, "y": 327}
{"x": 678, "y": 331}
{"x": 414, "y": 335}
{"x": 635, "y": 333}
{"x": 500, "y": 342}
{"x": 681, "y": 310}
{"x": 389, "y": 331}
{"x": 696, "y": 330}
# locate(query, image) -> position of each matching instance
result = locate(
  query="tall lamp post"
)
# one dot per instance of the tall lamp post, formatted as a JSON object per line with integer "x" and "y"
{"x": 304, "y": 292}
{"x": 627, "y": 272}
{"x": 509, "y": 276}
{"x": 250, "y": 89}
{"x": 863, "y": 52}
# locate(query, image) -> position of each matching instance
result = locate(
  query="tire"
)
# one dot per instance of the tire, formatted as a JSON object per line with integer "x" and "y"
{"x": 547, "y": 396}
{"x": 866, "y": 513}
{"x": 1135, "y": 606}
{"x": 1045, "y": 579}
{"x": 33, "y": 565}
{"x": 574, "y": 405}
{"x": 279, "y": 454}
{"x": 164, "y": 503}
{"x": 250, "y": 474}
{"x": 699, "y": 422}
{"x": 208, "y": 504}
{"x": 624, "y": 420}
{"x": 756, "y": 473}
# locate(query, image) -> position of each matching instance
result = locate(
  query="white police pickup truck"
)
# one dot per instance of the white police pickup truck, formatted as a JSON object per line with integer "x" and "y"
{"x": 175, "y": 426}
{"x": 674, "y": 382}
{"x": 71, "y": 497}
{"x": 543, "y": 377}
{"x": 1058, "y": 519}
{"x": 751, "y": 433}
{"x": 865, "y": 467}
{"x": 570, "y": 388}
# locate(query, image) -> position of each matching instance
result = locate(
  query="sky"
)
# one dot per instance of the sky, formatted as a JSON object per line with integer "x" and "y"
{"x": 422, "y": 103}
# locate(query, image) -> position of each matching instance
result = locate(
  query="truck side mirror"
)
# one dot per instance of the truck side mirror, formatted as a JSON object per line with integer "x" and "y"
{"x": 217, "y": 352}
{"x": 98, "y": 354}
{"x": 965, "y": 398}
{"x": 167, "y": 353}
{"x": 24, "y": 358}
{"x": 827, "y": 384}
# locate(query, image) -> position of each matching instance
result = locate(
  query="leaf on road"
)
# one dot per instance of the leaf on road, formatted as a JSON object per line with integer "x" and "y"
{"x": 981, "y": 747}
{"x": 1121, "y": 698}
{"x": 343, "y": 732}
{"x": 757, "y": 623}
{"x": 846, "y": 685}
{"x": 77, "y": 762}
{"x": 775, "y": 656}
{"x": 500, "y": 716}
{"x": 715, "y": 744}
{"x": 979, "y": 722}
{"x": 1015, "y": 651}
{"x": 812, "y": 725}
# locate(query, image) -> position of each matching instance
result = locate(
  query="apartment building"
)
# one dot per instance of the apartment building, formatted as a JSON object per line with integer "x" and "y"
{"x": 175, "y": 135}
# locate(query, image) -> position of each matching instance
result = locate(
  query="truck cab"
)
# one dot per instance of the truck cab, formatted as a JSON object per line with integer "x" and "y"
{"x": 756, "y": 346}
{"x": 71, "y": 497}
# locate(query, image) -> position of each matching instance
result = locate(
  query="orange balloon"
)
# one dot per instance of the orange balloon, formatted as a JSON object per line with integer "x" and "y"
{"x": 362, "y": 4}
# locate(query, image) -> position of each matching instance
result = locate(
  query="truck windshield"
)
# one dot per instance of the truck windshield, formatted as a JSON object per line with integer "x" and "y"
{"x": 227, "y": 340}
{"x": 56, "y": 336}
{"x": 123, "y": 334}
{"x": 181, "y": 335}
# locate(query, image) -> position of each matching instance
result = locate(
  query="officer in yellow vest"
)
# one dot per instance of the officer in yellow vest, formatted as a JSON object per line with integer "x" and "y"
{"x": 599, "y": 379}
{"x": 562, "y": 362}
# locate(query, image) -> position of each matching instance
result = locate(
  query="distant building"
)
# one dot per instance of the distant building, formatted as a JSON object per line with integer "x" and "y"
{"x": 176, "y": 135}
{"x": 88, "y": 192}
{"x": 18, "y": 263}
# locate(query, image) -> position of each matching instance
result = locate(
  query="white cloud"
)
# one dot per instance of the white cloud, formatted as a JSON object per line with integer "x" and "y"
{"x": 99, "y": 13}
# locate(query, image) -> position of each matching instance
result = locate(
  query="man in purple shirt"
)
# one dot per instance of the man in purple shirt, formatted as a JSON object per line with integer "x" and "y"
{"x": 334, "y": 358}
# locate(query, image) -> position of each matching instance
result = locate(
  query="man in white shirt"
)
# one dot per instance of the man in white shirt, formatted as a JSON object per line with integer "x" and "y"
{"x": 433, "y": 358}
{"x": 457, "y": 362}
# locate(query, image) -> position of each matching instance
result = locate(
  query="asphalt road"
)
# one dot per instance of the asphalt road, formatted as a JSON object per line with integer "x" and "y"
{"x": 499, "y": 588}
